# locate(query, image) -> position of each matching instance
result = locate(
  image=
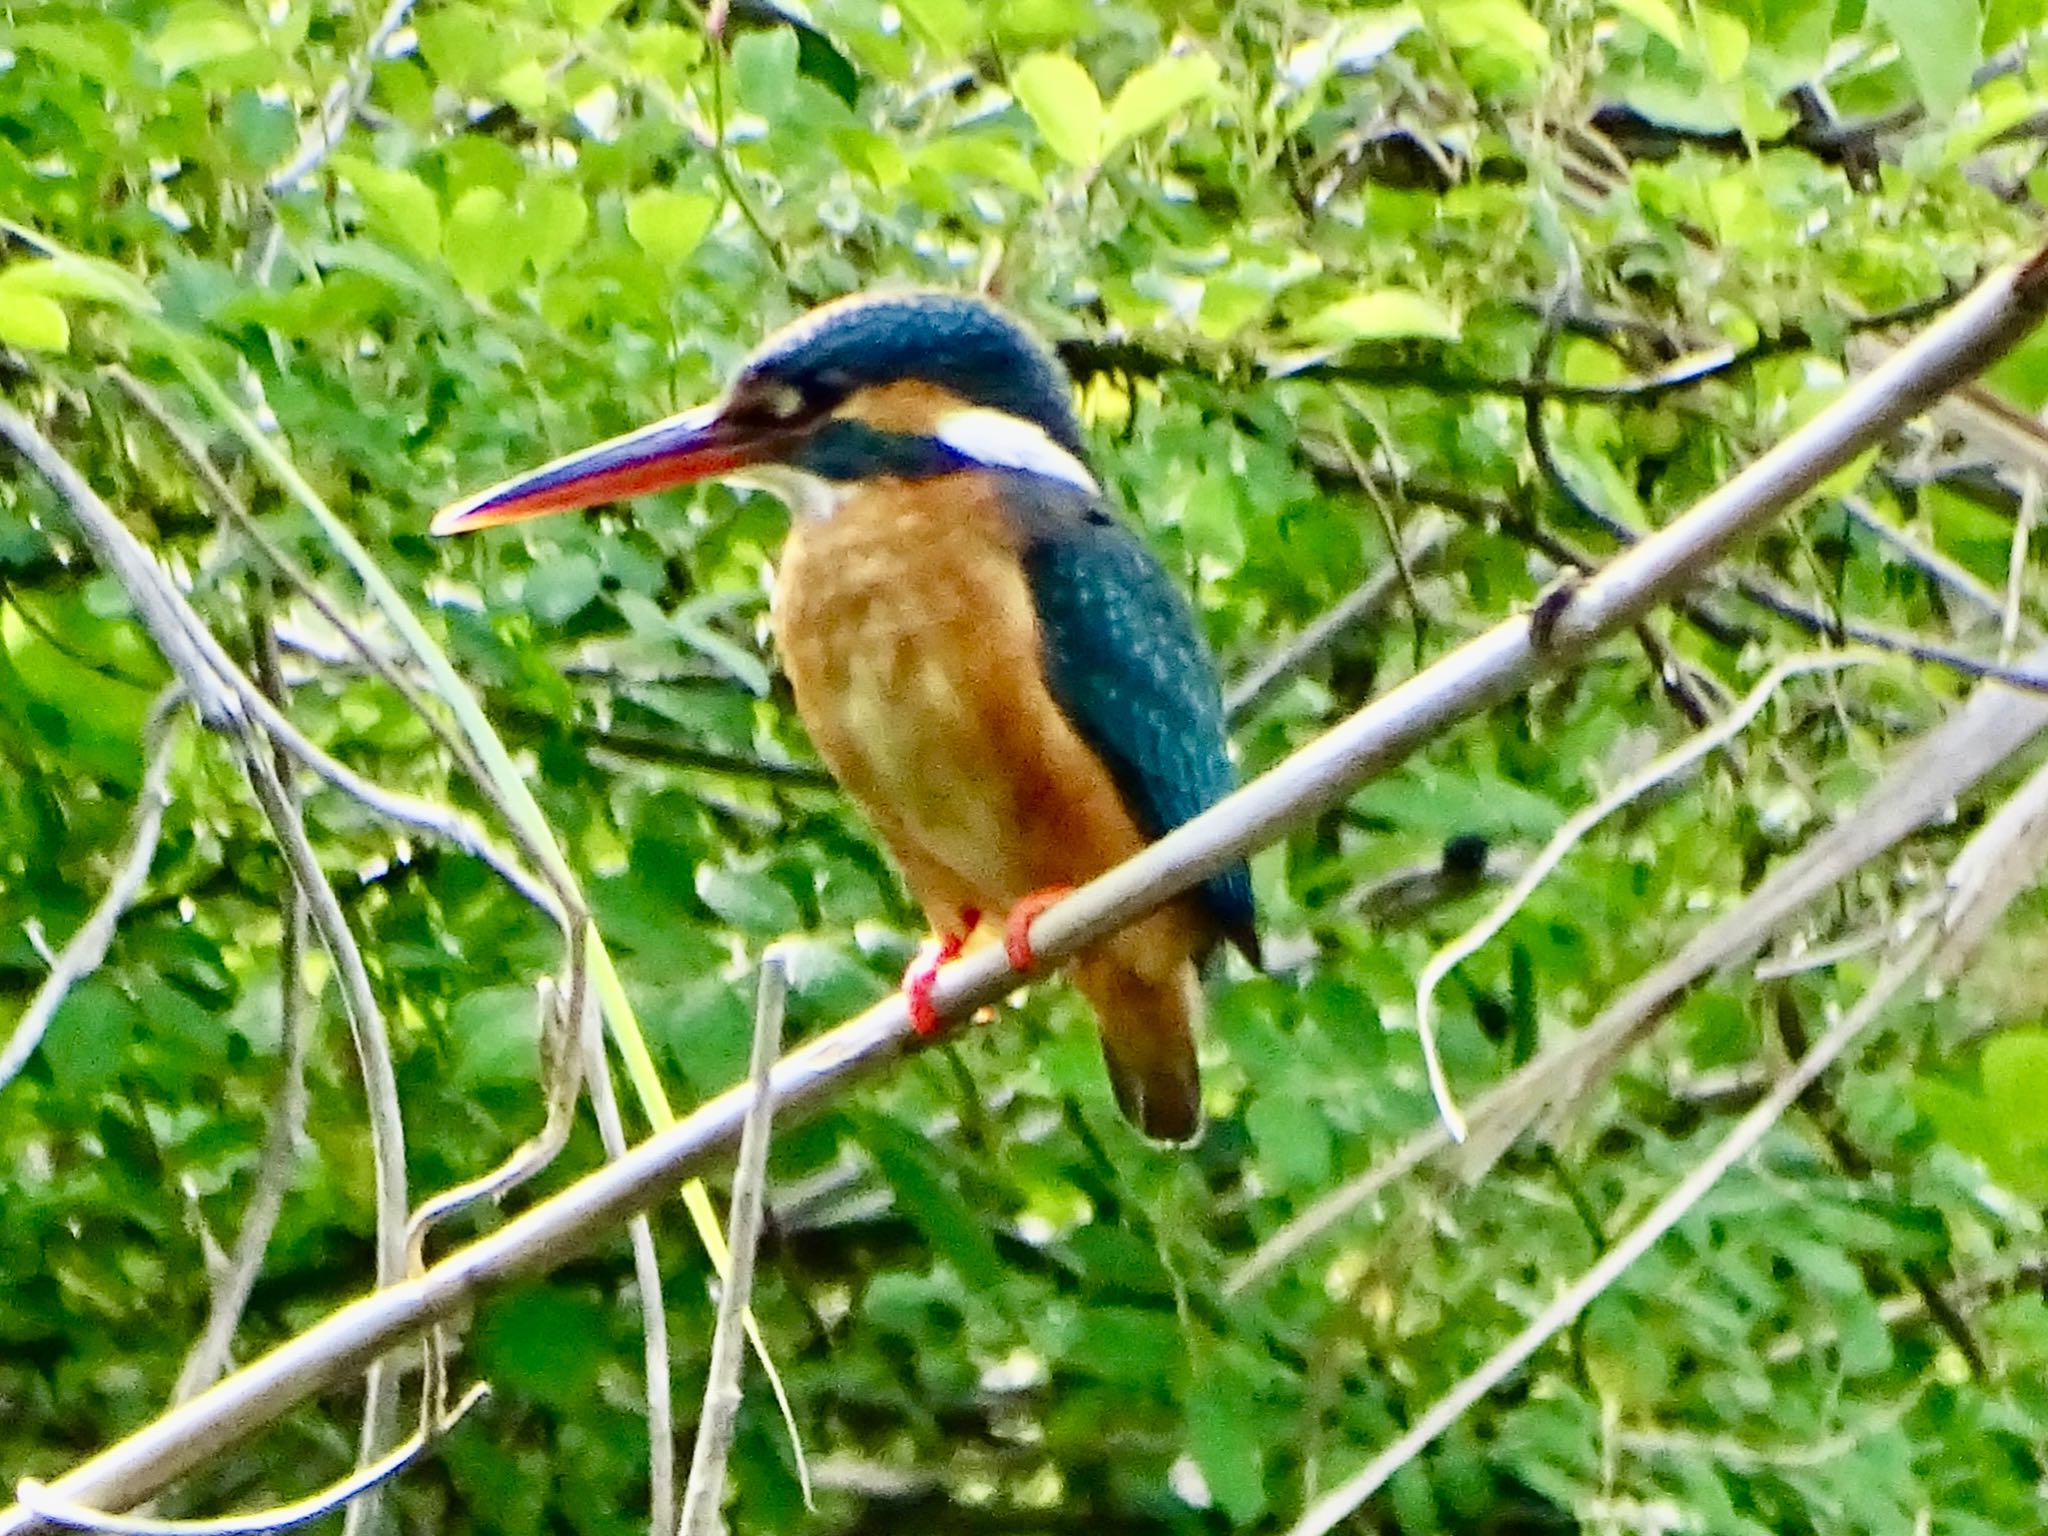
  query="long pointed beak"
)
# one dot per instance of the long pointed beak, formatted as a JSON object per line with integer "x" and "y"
{"x": 696, "y": 445}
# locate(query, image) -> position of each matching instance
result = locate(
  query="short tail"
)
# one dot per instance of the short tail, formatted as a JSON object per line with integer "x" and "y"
{"x": 1148, "y": 1016}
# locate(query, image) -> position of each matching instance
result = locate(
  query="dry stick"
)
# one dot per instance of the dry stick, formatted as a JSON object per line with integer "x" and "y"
{"x": 380, "y": 1080}
{"x": 2003, "y": 309}
{"x": 209, "y": 1354}
{"x": 661, "y": 1398}
{"x": 2002, "y": 842}
{"x": 720, "y": 1416}
{"x": 349, "y": 1491}
{"x": 558, "y": 896}
{"x": 85, "y": 949}
{"x": 1363, "y": 602}
{"x": 1942, "y": 766}
{"x": 1569, "y": 836}
{"x": 1338, "y": 1505}
{"x": 1932, "y": 563}
{"x": 197, "y": 658}
{"x": 339, "y": 105}
{"x": 230, "y": 507}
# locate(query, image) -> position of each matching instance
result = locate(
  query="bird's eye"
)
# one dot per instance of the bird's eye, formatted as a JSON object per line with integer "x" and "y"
{"x": 783, "y": 403}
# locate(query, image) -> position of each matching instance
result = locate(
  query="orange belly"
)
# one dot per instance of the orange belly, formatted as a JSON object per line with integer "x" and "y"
{"x": 907, "y": 630}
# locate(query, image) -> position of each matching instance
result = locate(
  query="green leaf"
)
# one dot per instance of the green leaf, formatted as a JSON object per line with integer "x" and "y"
{"x": 953, "y": 1228}
{"x": 1384, "y": 314}
{"x": 1223, "y": 1437}
{"x": 31, "y": 319}
{"x": 951, "y": 24}
{"x": 401, "y": 206}
{"x": 199, "y": 34}
{"x": 1941, "y": 42}
{"x": 1655, "y": 16}
{"x": 554, "y": 218}
{"x": 2015, "y": 1073}
{"x": 1062, "y": 100}
{"x": 748, "y": 899}
{"x": 482, "y": 242}
{"x": 669, "y": 225}
{"x": 1155, "y": 93}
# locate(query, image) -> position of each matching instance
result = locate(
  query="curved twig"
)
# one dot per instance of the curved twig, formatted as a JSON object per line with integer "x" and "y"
{"x": 86, "y": 948}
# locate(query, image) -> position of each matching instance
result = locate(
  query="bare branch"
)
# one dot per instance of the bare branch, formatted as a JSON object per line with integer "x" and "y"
{"x": 661, "y": 1412}
{"x": 1944, "y": 765}
{"x": 1363, "y": 603}
{"x": 209, "y": 1354}
{"x": 341, "y": 103}
{"x": 37, "y": 1497}
{"x": 1335, "y": 1507}
{"x": 86, "y": 948}
{"x": 1567, "y": 837}
{"x": 720, "y": 1416}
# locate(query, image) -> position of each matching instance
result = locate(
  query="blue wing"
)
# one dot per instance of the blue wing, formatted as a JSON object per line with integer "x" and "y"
{"x": 1127, "y": 665}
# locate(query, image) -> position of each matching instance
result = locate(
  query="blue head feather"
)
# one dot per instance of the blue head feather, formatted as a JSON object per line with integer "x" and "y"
{"x": 961, "y": 344}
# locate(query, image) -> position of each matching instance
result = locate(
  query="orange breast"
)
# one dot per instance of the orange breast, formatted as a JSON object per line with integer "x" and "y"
{"x": 907, "y": 629}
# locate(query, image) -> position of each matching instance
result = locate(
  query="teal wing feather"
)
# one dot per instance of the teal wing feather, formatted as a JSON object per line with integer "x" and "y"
{"x": 1126, "y": 663}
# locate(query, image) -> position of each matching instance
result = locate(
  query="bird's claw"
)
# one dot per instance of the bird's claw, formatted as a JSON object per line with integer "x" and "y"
{"x": 923, "y": 975}
{"x": 1017, "y": 926}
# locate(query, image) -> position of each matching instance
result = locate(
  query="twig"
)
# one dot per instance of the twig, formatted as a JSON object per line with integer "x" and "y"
{"x": 1491, "y": 667}
{"x": 1941, "y": 767}
{"x": 1936, "y": 566}
{"x": 719, "y": 1419}
{"x": 86, "y": 948}
{"x": 37, "y": 1497}
{"x": 2016, "y": 560}
{"x": 561, "y": 1073}
{"x": 1567, "y": 837}
{"x": 228, "y": 505}
{"x": 1338, "y": 1505}
{"x": 209, "y": 1354}
{"x": 342, "y": 101}
{"x": 661, "y": 1411}
{"x": 1364, "y": 602}
{"x": 373, "y": 1059}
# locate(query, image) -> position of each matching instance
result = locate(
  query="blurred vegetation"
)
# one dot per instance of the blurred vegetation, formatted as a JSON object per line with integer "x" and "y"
{"x": 1311, "y": 267}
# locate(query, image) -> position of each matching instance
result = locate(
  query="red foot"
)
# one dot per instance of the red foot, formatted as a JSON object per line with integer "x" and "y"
{"x": 1017, "y": 926}
{"x": 923, "y": 975}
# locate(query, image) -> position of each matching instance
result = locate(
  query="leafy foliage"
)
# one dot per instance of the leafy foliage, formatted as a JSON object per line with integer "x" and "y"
{"x": 1315, "y": 270}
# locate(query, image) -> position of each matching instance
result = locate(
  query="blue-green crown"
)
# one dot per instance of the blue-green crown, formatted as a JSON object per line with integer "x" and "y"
{"x": 958, "y": 343}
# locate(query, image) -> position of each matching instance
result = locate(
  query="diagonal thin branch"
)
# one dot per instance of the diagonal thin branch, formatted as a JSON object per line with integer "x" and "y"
{"x": 86, "y": 948}
{"x": 209, "y": 1354}
{"x": 1942, "y": 766}
{"x": 343, "y": 99}
{"x": 720, "y": 1416}
{"x": 1339, "y": 1504}
{"x": 1568, "y": 837}
{"x": 1286, "y": 662}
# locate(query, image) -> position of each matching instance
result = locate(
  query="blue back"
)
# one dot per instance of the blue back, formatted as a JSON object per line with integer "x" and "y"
{"x": 1127, "y": 665}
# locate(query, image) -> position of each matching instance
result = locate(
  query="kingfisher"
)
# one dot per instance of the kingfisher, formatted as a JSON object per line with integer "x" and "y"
{"x": 990, "y": 662}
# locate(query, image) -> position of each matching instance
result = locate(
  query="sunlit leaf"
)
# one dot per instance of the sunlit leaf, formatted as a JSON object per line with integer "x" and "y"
{"x": 668, "y": 225}
{"x": 1064, "y": 103}
{"x": 1384, "y": 314}
{"x": 1155, "y": 93}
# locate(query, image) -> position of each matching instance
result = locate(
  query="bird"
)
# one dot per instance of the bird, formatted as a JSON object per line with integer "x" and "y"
{"x": 993, "y": 664}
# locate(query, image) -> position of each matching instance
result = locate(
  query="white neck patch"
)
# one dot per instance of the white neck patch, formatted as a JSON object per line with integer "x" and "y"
{"x": 1002, "y": 441}
{"x": 805, "y": 494}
